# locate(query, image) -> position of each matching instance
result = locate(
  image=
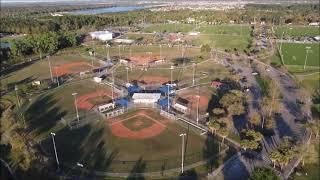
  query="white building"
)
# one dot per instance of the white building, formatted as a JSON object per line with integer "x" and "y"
{"x": 147, "y": 98}
{"x": 181, "y": 108}
{"x": 125, "y": 41}
{"x": 101, "y": 35}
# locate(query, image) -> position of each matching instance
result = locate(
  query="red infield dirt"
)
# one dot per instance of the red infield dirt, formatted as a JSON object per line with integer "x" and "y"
{"x": 154, "y": 79}
{"x": 83, "y": 100}
{"x": 203, "y": 101}
{"x": 70, "y": 68}
{"x": 118, "y": 129}
{"x": 140, "y": 60}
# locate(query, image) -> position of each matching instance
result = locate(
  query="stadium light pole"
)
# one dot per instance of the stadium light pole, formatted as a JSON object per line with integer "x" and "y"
{"x": 171, "y": 74}
{"x": 127, "y": 68}
{"x": 305, "y": 60}
{"x": 54, "y": 147}
{"x": 198, "y": 99}
{"x": 112, "y": 85}
{"x": 168, "y": 98}
{"x": 193, "y": 80}
{"x": 16, "y": 89}
{"x": 75, "y": 104}
{"x": 108, "y": 51}
{"x": 182, "y": 150}
{"x": 48, "y": 57}
{"x": 160, "y": 46}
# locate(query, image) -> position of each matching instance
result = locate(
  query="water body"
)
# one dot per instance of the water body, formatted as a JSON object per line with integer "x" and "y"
{"x": 106, "y": 10}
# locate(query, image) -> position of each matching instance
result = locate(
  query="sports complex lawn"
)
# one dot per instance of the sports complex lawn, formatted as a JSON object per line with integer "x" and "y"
{"x": 295, "y": 54}
{"x": 296, "y": 31}
{"x": 169, "y": 28}
{"x": 95, "y": 146}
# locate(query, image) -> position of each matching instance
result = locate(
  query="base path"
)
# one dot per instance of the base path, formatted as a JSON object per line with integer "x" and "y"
{"x": 83, "y": 100}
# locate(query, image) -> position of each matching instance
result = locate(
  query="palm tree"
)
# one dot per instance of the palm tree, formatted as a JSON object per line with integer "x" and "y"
{"x": 214, "y": 126}
{"x": 224, "y": 133}
{"x": 275, "y": 156}
{"x": 247, "y": 144}
{"x": 255, "y": 119}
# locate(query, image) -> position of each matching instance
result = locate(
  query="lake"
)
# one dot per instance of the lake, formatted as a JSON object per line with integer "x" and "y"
{"x": 106, "y": 10}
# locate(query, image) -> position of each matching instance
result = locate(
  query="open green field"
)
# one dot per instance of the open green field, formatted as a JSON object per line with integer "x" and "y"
{"x": 296, "y": 31}
{"x": 169, "y": 28}
{"x": 204, "y": 72}
{"x": 295, "y": 54}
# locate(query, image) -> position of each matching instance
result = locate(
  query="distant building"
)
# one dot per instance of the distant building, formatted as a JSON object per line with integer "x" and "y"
{"x": 316, "y": 38}
{"x": 56, "y": 14}
{"x": 193, "y": 33}
{"x": 102, "y": 35}
{"x": 314, "y": 24}
{"x": 125, "y": 41}
{"x": 216, "y": 84}
{"x": 190, "y": 20}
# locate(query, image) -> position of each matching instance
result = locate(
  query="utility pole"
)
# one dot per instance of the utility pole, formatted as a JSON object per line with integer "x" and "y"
{"x": 182, "y": 151}
{"x": 54, "y": 147}
{"x": 198, "y": 99}
{"x": 108, "y": 51}
{"x": 16, "y": 89}
{"x": 112, "y": 86}
{"x": 50, "y": 68}
{"x": 160, "y": 51}
{"x": 75, "y": 104}
{"x": 305, "y": 61}
{"x": 168, "y": 97}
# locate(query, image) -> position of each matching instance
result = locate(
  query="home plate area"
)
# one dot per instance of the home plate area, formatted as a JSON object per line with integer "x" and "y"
{"x": 141, "y": 125}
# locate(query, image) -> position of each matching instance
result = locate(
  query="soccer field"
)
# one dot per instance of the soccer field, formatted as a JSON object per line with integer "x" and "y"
{"x": 295, "y": 54}
{"x": 296, "y": 31}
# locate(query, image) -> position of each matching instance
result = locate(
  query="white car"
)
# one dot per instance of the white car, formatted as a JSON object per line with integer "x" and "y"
{"x": 254, "y": 73}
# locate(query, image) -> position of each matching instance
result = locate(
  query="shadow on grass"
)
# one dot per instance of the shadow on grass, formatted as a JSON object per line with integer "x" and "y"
{"x": 43, "y": 115}
{"x": 137, "y": 171}
{"x": 210, "y": 151}
{"x": 189, "y": 175}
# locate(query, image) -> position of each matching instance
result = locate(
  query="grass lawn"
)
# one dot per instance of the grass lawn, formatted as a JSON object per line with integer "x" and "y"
{"x": 295, "y": 54}
{"x": 169, "y": 28}
{"x": 99, "y": 149}
{"x": 39, "y": 70}
{"x": 310, "y": 82}
{"x": 296, "y": 31}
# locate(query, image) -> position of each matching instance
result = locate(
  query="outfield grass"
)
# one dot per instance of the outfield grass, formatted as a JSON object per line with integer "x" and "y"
{"x": 296, "y": 31}
{"x": 295, "y": 54}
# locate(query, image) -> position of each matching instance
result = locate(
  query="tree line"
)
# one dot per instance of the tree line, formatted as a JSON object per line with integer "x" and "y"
{"x": 45, "y": 43}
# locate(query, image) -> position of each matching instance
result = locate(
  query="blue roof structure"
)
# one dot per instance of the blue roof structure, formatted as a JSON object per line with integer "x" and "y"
{"x": 164, "y": 89}
{"x": 163, "y": 102}
{"x": 133, "y": 89}
{"x": 122, "y": 102}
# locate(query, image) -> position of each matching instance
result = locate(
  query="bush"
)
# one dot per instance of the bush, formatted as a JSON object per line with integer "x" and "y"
{"x": 261, "y": 173}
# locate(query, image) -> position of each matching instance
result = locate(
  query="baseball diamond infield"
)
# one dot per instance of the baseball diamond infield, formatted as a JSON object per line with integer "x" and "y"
{"x": 139, "y": 126}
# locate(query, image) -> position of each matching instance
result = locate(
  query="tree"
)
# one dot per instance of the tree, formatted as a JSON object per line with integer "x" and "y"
{"x": 224, "y": 133}
{"x": 218, "y": 112}
{"x": 262, "y": 173}
{"x": 275, "y": 156}
{"x": 253, "y": 135}
{"x": 255, "y": 119}
{"x": 233, "y": 101}
{"x": 247, "y": 144}
{"x": 205, "y": 48}
{"x": 214, "y": 126}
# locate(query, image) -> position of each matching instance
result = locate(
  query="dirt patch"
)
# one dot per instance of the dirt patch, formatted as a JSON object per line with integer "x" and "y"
{"x": 144, "y": 59}
{"x": 154, "y": 79}
{"x": 70, "y": 68}
{"x": 203, "y": 101}
{"x": 83, "y": 101}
